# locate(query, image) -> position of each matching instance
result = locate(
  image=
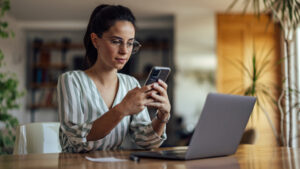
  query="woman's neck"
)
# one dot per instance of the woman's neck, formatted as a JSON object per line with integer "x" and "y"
{"x": 103, "y": 76}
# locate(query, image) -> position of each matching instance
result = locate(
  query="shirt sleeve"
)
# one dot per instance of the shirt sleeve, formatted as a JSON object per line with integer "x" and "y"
{"x": 142, "y": 132}
{"x": 73, "y": 128}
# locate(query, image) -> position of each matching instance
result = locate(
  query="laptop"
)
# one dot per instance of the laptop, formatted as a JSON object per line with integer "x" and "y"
{"x": 218, "y": 131}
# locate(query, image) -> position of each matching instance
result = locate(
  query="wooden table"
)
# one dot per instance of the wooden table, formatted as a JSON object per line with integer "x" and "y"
{"x": 247, "y": 157}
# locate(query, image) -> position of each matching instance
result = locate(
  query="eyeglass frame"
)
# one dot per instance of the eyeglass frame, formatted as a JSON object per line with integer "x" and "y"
{"x": 134, "y": 49}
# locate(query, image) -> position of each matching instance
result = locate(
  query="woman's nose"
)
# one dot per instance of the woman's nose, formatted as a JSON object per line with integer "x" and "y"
{"x": 123, "y": 49}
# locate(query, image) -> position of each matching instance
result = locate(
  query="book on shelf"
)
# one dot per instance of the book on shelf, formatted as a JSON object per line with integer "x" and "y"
{"x": 46, "y": 75}
{"x": 39, "y": 76}
{"x": 44, "y": 57}
{"x": 46, "y": 98}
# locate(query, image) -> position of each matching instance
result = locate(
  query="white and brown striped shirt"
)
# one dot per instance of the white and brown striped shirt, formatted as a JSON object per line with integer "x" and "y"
{"x": 80, "y": 104}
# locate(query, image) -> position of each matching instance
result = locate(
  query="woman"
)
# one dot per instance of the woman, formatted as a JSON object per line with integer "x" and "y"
{"x": 99, "y": 107}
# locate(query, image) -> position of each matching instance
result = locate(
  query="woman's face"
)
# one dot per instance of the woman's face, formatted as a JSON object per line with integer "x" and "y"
{"x": 115, "y": 46}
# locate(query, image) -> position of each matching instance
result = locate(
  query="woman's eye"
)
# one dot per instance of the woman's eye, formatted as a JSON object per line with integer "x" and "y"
{"x": 130, "y": 44}
{"x": 116, "y": 42}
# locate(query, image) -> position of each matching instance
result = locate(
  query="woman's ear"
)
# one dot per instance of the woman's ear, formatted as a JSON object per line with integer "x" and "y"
{"x": 94, "y": 39}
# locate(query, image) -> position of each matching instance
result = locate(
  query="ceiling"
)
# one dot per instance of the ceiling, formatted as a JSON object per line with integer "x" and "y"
{"x": 79, "y": 10}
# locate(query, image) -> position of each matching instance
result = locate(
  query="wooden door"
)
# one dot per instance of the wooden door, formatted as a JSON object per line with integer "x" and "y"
{"x": 239, "y": 38}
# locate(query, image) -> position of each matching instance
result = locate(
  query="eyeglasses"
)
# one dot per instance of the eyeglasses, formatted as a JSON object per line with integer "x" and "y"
{"x": 132, "y": 46}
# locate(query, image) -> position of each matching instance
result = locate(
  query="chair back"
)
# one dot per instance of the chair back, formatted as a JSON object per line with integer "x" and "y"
{"x": 37, "y": 138}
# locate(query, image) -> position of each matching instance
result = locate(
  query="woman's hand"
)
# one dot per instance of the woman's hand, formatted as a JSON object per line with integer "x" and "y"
{"x": 135, "y": 100}
{"x": 160, "y": 97}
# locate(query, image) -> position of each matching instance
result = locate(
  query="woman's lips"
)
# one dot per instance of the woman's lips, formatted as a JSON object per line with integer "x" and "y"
{"x": 121, "y": 60}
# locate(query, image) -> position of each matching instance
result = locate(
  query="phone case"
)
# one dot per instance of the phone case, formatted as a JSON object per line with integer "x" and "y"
{"x": 157, "y": 73}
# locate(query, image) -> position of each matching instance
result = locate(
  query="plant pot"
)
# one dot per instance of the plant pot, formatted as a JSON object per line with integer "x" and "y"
{"x": 249, "y": 136}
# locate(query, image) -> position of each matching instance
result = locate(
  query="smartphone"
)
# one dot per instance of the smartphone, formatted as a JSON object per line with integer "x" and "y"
{"x": 158, "y": 72}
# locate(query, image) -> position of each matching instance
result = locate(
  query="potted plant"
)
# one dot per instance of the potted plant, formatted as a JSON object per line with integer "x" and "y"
{"x": 265, "y": 91}
{"x": 9, "y": 92}
{"x": 287, "y": 13}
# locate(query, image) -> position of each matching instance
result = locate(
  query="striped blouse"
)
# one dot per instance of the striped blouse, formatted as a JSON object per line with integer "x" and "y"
{"x": 80, "y": 104}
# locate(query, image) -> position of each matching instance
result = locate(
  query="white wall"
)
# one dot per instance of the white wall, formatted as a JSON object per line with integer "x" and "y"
{"x": 15, "y": 59}
{"x": 15, "y": 54}
{"x": 195, "y": 53}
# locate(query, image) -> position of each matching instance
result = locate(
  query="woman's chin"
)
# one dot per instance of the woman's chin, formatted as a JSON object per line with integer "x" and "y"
{"x": 119, "y": 67}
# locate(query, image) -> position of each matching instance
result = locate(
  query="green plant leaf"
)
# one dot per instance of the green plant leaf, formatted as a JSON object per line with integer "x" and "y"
{"x": 232, "y": 5}
{"x": 9, "y": 92}
{"x": 265, "y": 62}
{"x": 3, "y": 24}
{"x": 237, "y": 90}
{"x": 246, "y": 6}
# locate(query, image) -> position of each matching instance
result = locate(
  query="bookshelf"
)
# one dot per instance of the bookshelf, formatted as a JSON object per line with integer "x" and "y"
{"x": 48, "y": 61}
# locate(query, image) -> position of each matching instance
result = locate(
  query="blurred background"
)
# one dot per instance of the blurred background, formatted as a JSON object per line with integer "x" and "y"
{"x": 189, "y": 36}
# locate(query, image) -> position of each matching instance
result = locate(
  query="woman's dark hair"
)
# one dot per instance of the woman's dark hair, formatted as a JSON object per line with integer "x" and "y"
{"x": 102, "y": 18}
